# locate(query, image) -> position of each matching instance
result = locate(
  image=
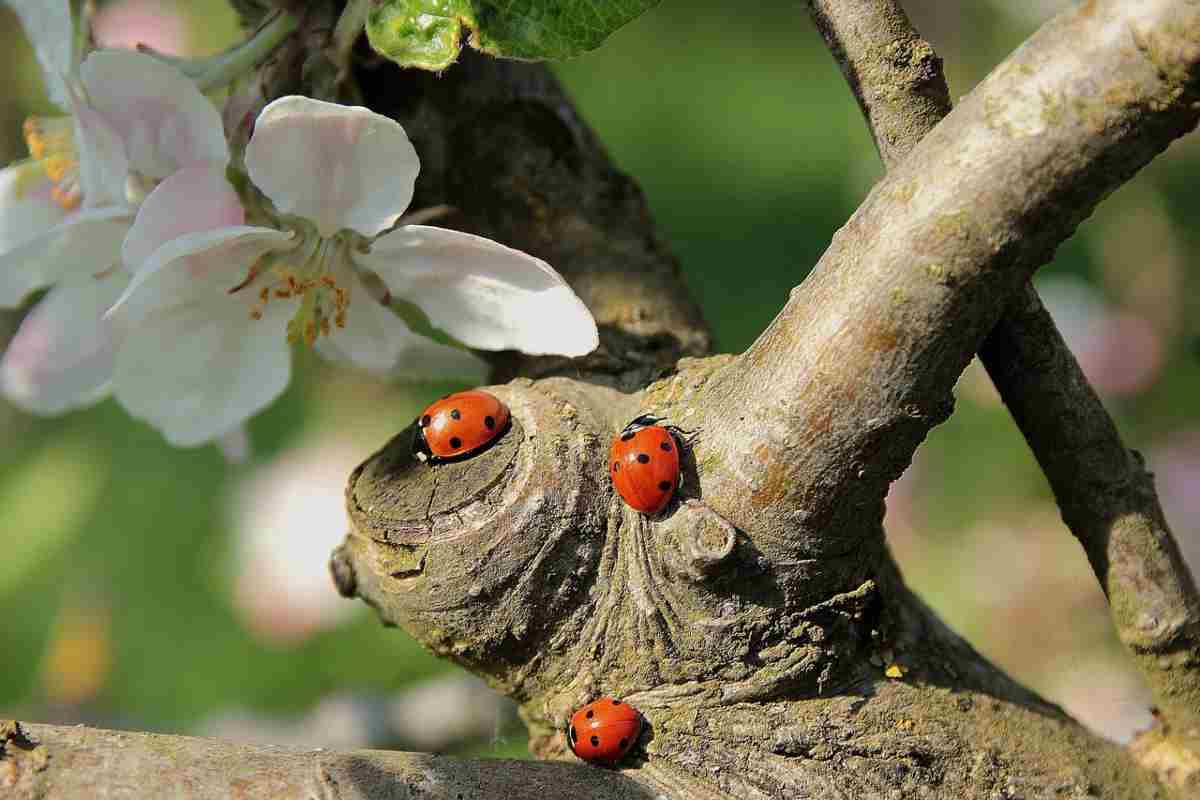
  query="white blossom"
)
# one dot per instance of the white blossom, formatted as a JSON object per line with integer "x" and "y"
{"x": 214, "y": 302}
{"x": 130, "y": 121}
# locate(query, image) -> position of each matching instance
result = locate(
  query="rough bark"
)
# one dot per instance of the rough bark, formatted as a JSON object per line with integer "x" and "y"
{"x": 760, "y": 624}
{"x": 1106, "y": 495}
{"x": 51, "y": 761}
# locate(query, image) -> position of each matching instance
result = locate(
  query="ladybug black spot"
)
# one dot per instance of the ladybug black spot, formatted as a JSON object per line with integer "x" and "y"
{"x": 666, "y": 446}
{"x": 455, "y": 414}
{"x": 643, "y": 458}
{"x": 624, "y": 743}
{"x": 490, "y": 422}
{"x": 590, "y": 713}
{"x": 595, "y": 741}
{"x": 455, "y": 442}
{"x": 616, "y": 466}
{"x": 425, "y": 421}
{"x": 616, "y": 702}
{"x": 625, "y": 437}
{"x": 664, "y": 486}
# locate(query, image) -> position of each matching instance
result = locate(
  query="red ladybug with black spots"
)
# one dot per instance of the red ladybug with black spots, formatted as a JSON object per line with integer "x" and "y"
{"x": 644, "y": 464}
{"x": 459, "y": 425}
{"x": 603, "y": 731}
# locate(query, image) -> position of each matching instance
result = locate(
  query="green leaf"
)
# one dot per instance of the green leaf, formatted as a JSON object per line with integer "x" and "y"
{"x": 428, "y": 33}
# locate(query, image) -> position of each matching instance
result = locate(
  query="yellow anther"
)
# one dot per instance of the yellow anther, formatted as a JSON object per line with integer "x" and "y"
{"x": 68, "y": 198}
{"x": 51, "y": 142}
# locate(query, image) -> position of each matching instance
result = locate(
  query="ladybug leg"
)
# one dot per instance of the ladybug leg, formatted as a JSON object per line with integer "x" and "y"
{"x": 644, "y": 421}
{"x": 420, "y": 449}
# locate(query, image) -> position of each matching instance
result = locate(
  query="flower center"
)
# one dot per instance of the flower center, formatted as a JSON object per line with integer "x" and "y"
{"x": 51, "y": 142}
{"x": 310, "y": 274}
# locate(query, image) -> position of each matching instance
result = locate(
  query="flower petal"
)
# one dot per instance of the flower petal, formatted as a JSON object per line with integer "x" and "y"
{"x": 26, "y": 207}
{"x": 194, "y": 267}
{"x": 103, "y": 162}
{"x": 339, "y": 166}
{"x": 194, "y": 218}
{"x": 192, "y": 200}
{"x": 196, "y": 372}
{"x": 47, "y": 23}
{"x": 62, "y": 356}
{"x": 377, "y": 340}
{"x": 482, "y": 293}
{"x": 163, "y": 119}
{"x": 87, "y": 243}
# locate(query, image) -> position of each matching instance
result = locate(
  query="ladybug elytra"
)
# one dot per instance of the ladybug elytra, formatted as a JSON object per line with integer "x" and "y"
{"x": 459, "y": 424}
{"x": 644, "y": 465}
{"x": 604, "y": 730}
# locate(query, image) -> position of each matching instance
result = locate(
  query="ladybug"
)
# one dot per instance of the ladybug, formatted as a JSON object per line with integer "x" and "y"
{"x": 458, "y": 425}
{"x": 603, "y": 731}
{"x": 644, "y": 465}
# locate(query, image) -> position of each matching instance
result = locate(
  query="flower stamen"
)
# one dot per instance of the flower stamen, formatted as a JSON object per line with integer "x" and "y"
{"x": 51, "y": 142}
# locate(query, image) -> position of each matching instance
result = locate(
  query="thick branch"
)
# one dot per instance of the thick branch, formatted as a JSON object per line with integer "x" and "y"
{"x": 757, "y": 624}
{"x": 1107, "y": 497}
{"x": 49, "y": 761}
{"x": 845, "y": 383}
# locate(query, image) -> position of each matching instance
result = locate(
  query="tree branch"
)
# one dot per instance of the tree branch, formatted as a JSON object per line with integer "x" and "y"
{"x": 1106, "y": 496}
{"x": 45, "y": 762}
{"x": 1108, "y": 501}
{"x": 838, "y": 392}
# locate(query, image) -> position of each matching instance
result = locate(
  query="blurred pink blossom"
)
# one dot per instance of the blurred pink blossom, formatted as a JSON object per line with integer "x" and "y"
{"x": 1176, "y": 467}
{"x": 128, "y": 23}
{"x": 1120, "y": 352}
{"x": 287, "y": 516}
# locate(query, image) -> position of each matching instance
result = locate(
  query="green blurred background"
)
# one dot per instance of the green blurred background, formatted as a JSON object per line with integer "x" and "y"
{"x": 153, "y": 588}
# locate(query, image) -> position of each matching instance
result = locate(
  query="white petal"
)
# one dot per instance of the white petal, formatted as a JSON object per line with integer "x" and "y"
{"x": 47, "y": 23}
{"x": 164, "y": 120}
{"x": 197, "y": 372}
{"x": 482, "y": 293}
{"x": 62, "y": 355}
{"x": 192, "y": 200}
{"x": 26, "y": 207}
{"x": 339, "y": 166}
{"x": 188, "y": 240}
{"x": 103, "y": 162}
{"x": 377, "y": 340}
{"x": 195, "y": 267}
{"x": 87, "y": 243}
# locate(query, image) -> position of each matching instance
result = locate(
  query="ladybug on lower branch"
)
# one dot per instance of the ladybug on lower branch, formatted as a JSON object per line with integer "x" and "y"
{"x": 459, "y": 425}
{"x": 603, "y": 731}
{"x": 644, "y": 464}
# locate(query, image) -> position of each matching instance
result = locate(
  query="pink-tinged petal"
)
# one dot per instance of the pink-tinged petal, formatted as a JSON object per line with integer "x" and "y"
{"x": 47, "y": 23}
{"x": 147, "y": 22}
{"x": 160, "y": 115}
{"x": 86, "y": 244}
{"x": 197, "y": 372}
{"x": 482, "y": 293}
{"x": 192, "y": 200}
{"x": 375, "y": 339}
{"x": 62, "y": 356}
{"x": 339, "y": 166}
{"x": 26, "y": 207}
{"x": 196, "y": 267}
